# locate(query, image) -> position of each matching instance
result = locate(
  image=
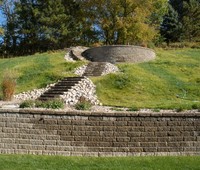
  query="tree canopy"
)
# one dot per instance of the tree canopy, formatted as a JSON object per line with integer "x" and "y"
{"x": 40, "y": 25}
{"x": 182, "y": 23}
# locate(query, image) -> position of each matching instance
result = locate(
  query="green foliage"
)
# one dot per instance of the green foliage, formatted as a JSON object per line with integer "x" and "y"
{"x": 49, "y": 104}
{"x": 27, "y": 104}
{"x": 40, "y": 25}
{"x": 171, "y": 26}
{"x": 123, "y": 22}
{"x": 134, "y": 109}
{"x": 156, "y": 110}
{"x": 196, "y": 106}
{"x": 83, "y": 104}
{"x": 191, "y": 20}
{"x": 177, "y": 45}
{"x": 182, "y": 23}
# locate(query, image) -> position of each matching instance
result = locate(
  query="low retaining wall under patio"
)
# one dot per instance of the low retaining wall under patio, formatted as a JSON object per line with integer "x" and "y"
{"x": 119, "y": 53}
{"x": 98, "y": 134}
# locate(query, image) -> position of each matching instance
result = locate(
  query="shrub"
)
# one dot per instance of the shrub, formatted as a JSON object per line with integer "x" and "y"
{"x": 50, "y": 104}
{"x": 40, "y": 104}
{"x": 55, "y": 104}
{"x": 133, "y": 109}
{"x": 121, "y": 81}
{"x": 195, "y": 106}
{"x": 27, "y": 104}
{"x": 180, "y": 109}
{"x": 156, "y": 110}
{"x": 8, "y": 85}
{"x": 83, "y": 104}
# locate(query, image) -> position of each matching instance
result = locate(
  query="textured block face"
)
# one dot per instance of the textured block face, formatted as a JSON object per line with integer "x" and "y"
{"x": 119, "y": 53}
{"x": 88, "y": 134}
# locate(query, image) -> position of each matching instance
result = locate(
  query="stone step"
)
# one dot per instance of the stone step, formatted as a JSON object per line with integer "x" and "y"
{"x": 72, "y": 78}
{"x": 60, "y": 88}
{"x": 63, "y": 83}
{"x": 54, "y": 92}
{"x": 50, "y": 95}
{"x": 94, "y": 69}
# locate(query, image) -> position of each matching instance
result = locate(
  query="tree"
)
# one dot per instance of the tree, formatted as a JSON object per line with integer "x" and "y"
{"x": 125, "y": 21}
{"x": 191, "y": 20}
{"x": 10, "y": 36}
{"x": 182, "y": 23}
{"x": 40, "y": 25}
{"x": 171, "y": 27}
{"x": 1, "y": 29}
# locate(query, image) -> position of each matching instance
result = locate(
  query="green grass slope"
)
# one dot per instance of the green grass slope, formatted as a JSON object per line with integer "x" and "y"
{"x": 170, "y": 81}
{"x": 38, "y": 70}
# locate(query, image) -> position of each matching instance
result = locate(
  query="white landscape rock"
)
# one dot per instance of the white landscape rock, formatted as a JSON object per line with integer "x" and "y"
{"x": 80, "y": 70}
{"x": 85, "y": 88}
{"x": 33, "y": 94}
{"x": 110, "y": 68}
{"x": 74, "y": 53}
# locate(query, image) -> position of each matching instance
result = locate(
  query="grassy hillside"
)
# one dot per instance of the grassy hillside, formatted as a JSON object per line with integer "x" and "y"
{"x": 38, "y": 70}
{"x": 171, "y": 81}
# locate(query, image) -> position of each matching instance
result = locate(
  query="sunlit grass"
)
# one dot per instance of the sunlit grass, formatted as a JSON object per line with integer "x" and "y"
{"x": 38, "y": 70}
{"x": 25, "y": 162}
{"x": 170, "y": 81}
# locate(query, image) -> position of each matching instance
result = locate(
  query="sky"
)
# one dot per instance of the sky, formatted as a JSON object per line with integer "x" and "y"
{"x": 2, "y": 19}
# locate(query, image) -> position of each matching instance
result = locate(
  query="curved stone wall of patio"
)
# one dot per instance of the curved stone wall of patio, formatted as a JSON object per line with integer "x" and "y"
{"x": 119, "y": 53}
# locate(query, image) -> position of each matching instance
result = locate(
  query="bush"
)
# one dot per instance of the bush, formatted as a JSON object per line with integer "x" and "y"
{"x": 180, "y": 109}
{"x": 83, "y": 104}
{"x": 27, "y": 104}
{"x": 8, "y": 85}
{"x": 156, "y": 110}
{"x": 195, "y": 106}
{"x": 121, "y": 81}
{"x": 133, "y": 109}
{"x": 50, "y": 104}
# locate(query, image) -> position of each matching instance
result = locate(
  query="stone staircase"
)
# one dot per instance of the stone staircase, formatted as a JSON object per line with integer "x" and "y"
{"x": 60, "y": 88}
{"x": 95, "y": 69}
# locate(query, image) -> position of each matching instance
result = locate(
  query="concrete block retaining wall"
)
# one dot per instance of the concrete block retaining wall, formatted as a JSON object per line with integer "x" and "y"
{"x": 98, "y": 134}
{"x": 119, "y": 53}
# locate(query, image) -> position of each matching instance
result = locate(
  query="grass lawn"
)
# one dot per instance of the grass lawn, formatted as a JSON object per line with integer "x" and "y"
{"x": 171, "y": 81}
{"x": 38, "y": 70}
{"x": 19, "y": 162}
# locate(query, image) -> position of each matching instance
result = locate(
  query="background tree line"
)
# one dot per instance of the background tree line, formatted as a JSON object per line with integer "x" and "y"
{"x": 40, "y": 25}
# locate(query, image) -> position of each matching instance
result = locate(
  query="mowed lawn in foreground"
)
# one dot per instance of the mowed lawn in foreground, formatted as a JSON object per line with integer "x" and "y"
{"x": 25, "y": 162}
